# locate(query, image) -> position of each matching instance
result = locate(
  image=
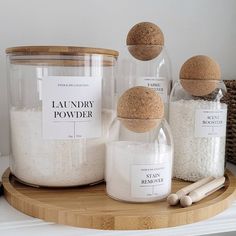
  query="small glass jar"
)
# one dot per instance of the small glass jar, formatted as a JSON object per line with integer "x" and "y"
{"x": 139, "y": 164}
{"x": 59, "y": 113}
{"x": 198, "y": 125}
{"x": 153, "y": 73}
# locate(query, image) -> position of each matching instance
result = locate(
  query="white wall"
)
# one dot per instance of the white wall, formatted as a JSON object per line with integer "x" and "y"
{"x": 190, "y": 27}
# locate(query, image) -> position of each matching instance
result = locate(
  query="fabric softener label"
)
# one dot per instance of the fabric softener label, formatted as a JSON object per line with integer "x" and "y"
{"x": 149, "y": 180}
{"x": 159, "y": 84}
{"x": 210, "y": 123}
{"x": 71, "y": 107}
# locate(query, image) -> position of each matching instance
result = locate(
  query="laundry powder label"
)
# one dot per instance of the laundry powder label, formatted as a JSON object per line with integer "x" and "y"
{"x": 71, "y": 107}
{"x": 210, "y": 123}
{"x": 150, "y": 180}
{"x": 159, "y": 84}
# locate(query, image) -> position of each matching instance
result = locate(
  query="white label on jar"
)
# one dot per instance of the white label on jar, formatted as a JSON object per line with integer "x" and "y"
{"x": 149, "y": 180}
{"x": 71, "y": 107}
{"x": 210, "y": 123}
{"x": 159, "y": 84}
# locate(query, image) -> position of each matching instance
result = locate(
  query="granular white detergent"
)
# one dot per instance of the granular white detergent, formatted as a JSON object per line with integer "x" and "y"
{"x": 55, "y": 162}
{"x": 195, "y": 157}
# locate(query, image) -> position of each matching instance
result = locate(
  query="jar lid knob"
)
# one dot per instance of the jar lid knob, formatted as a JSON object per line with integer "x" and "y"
{"x": 140, "y": 109}
{"x": 199, "y": 75}
{"x": 145, "y": 41}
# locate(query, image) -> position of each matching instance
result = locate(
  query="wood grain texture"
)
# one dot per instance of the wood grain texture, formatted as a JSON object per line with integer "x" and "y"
{"x": 59, "y": 50}
{"x": 90, "y": 207}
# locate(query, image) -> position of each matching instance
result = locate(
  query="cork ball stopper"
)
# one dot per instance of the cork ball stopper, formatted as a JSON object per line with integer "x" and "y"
{"x": 145, "y": 41}
{"x": 199, "y": 75}
{"x": 140, "y": 103}
{"x": 145, "y": 33}
{"x": 140, "y": 109}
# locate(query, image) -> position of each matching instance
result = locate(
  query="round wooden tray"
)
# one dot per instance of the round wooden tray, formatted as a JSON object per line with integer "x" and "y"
{"x": 90, "y": 207}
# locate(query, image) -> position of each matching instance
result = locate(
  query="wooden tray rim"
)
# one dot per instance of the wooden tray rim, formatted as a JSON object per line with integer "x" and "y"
{"x": 229, "y": 194}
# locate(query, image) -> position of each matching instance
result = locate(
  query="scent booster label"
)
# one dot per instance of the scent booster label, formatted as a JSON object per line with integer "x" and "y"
{"x": 210, "y": 123}
{"x": 71, "y": 107}
{"x": 159, "y": 84}
{"x": 149, "y": 180}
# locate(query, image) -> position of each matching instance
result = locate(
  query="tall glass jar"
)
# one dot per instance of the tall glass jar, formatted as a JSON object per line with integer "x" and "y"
{"x": 60, "y": 113}
{"x": 198, "y": 125}
{"x": 154, "y": 73}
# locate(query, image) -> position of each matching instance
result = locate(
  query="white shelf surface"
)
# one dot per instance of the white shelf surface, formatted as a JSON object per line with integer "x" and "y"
{"x": 13, "y": 222}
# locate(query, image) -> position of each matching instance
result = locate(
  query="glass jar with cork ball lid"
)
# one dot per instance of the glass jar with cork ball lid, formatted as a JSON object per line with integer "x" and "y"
{"x": 198, "y": 120}
{"x": 59, "y": 113}
{"x": 146, "y": 62}
{"x": 139, "y": 156}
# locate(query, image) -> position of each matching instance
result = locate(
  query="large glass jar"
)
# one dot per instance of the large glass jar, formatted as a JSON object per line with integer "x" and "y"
{"x": 139, "y": 165}
{"x": 61, "y": 107}
{"x": 198, "y": 125}
{"x": 154, "y": 73}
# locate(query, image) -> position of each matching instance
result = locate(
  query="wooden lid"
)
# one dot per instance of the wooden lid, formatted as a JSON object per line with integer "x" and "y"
{"x": 59, "y": 50}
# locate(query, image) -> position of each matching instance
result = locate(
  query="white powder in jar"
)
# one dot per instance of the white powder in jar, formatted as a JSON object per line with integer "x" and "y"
{"x": 195, "y": 157}
{"x": 55, "y": 162}
{"x": 127, "y": 165}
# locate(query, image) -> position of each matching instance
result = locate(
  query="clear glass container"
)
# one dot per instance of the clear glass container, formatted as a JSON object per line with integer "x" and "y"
{"x": 61, "y": 107}
{"x": 154, "y": 73}
{"x": 198, "y": 125}
{"x": 139, "y": 164}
